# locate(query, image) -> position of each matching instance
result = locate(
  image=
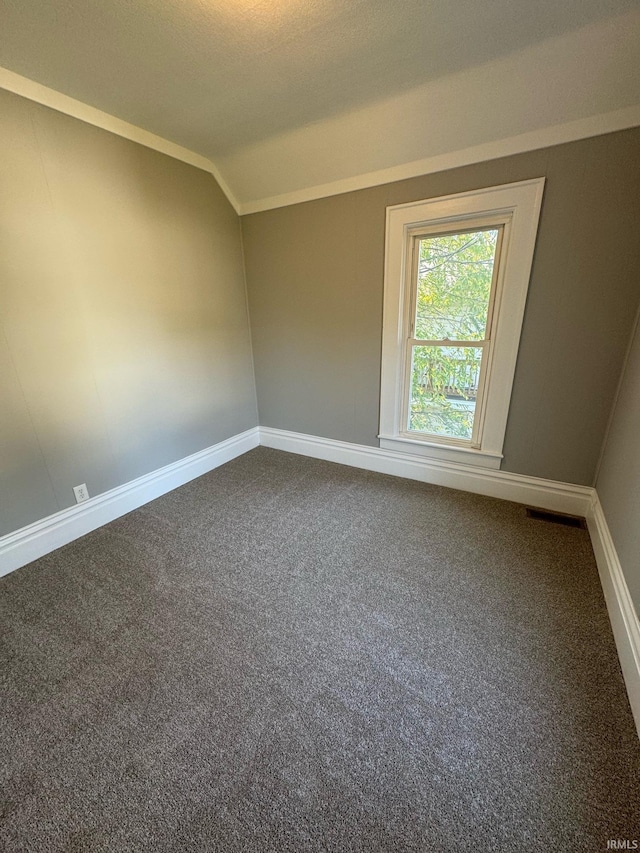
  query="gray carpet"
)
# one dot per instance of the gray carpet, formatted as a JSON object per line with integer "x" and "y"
{"x": 290, "y": 655}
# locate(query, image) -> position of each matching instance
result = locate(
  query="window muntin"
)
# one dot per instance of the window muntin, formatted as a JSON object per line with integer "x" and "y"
{"x": 452, "y": 294}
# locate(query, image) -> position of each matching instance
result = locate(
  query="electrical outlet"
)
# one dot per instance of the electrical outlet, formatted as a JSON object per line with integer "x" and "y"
{"x": 81, "y": 493}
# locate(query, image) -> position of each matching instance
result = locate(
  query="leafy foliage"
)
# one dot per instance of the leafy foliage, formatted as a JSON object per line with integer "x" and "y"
{"x": 455, "y": 272}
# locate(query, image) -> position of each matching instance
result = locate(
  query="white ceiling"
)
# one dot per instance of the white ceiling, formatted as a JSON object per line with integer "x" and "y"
{"x": 286, "y": 94}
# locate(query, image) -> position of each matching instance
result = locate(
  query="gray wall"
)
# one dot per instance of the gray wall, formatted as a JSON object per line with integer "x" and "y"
{"x": 618, "y": 482}
{"x": 315, "y": 281}
{"x": 124, "y": 339}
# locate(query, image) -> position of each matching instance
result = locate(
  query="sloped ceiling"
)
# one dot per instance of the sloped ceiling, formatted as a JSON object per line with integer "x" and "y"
{"x": 283, "y": 95}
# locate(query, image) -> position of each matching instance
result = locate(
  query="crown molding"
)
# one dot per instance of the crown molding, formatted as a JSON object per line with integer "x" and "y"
{"x": 543, "y": 138}
{"x": 34, "y": 91}
{"x": 558, "y": 134}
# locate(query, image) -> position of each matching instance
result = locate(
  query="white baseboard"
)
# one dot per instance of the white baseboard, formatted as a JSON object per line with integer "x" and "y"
{"x": 546, "y": 494}
{"x": 623, "y": 616}
{"x": 27, "y": 544}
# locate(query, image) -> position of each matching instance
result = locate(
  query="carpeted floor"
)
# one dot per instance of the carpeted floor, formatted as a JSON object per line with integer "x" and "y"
{"x": 291, "y": 655}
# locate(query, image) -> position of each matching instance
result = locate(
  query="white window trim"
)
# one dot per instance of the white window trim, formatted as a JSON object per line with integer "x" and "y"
{"x": 518, "y": 205}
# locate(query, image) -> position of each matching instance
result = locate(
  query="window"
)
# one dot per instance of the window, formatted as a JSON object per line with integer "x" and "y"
{"x": 456, "y": 276}
{"x": 452, "y": 291}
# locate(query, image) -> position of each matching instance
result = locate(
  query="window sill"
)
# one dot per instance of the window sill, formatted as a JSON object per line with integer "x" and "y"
{"x": 441, "y": 452}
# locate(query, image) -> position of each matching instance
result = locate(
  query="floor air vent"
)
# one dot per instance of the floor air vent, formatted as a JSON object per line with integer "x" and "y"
{"x": 557, "y": 517}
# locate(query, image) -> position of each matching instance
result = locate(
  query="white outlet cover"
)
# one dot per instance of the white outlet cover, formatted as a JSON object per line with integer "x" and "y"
{"x": 81, "y": 493}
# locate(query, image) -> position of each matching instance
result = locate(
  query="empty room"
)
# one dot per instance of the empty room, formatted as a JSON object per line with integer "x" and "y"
{"x": 319, "y": 426}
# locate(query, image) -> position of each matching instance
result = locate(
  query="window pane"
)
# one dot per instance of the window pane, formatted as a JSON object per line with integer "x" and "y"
{"x": 454, "y": 283}
{"x": 444, "y": 387}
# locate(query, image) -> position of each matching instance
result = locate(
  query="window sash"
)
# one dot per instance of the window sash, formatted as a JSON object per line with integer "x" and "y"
{"x": 415, "y": 235}
{"x": 475, "y": 439}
